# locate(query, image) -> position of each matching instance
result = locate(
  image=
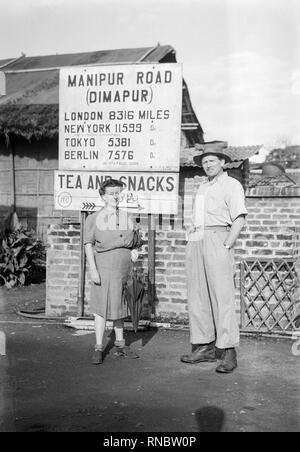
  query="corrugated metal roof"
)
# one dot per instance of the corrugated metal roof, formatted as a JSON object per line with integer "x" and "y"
{"x": 101, "y": 56}
{"x": 40, "y": 87}
{"x": 31, "y": 88}
{"x": 237, "y": 153}
{"x": 242, "y": 152}
{"x": 5, "y": 62}
{"x": 261, "y": 180}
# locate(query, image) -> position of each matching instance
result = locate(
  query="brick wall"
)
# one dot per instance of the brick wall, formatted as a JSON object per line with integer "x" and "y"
{"x": 272, "y": 231}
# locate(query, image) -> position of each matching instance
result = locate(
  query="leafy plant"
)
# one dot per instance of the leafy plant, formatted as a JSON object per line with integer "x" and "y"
{"x": 21, "y": 254}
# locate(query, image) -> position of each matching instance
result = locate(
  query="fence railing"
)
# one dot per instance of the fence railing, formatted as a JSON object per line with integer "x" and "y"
{"x": 268, "y": 295}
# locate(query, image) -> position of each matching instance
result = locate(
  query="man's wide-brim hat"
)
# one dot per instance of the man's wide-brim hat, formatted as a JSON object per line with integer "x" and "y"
{"x": 212, "y": 149}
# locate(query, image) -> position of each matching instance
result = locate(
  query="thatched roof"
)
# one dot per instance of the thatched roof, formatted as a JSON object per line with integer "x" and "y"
{"x": 28, "y": 121}
{"x": 30, "y": 106}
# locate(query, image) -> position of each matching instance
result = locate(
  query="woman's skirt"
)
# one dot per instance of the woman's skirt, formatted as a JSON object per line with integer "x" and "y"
{"x": 107, "y": 299}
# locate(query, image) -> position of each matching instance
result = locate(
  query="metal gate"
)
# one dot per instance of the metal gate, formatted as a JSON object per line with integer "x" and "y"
{"x": 268, "y": 301}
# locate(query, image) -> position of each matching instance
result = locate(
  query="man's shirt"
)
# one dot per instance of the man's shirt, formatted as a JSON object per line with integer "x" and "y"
{"x": 219, "y": 202}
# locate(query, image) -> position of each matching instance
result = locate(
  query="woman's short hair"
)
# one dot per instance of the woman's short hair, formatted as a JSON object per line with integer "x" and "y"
{"x": 110, "y": 183}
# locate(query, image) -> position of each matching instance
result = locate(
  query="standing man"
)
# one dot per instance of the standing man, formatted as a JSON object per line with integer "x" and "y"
{"x": 218, "y": 216}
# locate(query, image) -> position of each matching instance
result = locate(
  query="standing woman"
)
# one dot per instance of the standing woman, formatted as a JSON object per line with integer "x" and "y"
{"x": 108, "y": 241}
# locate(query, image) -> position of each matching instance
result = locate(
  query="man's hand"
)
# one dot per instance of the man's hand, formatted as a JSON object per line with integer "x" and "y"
{"x": 95, "y": 277}
{"x": 235, "y": 230}
{"x": 190, "y": 228}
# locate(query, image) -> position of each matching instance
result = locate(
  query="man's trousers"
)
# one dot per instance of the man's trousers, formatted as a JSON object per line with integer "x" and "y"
{"x": 211, "y": 292}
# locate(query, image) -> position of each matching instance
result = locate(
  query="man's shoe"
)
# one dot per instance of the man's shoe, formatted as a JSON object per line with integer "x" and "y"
{"x": 229, "y": 362}
{"x": 126, "y": 352}
{"x": 187, "y": 356}
{"x": 97, "y": 357}
{"x": 201, "y": 354}
{"x": 220, "y": 353}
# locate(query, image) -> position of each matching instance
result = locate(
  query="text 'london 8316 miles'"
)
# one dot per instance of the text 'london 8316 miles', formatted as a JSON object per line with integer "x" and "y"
{"x": 120, "y": 118}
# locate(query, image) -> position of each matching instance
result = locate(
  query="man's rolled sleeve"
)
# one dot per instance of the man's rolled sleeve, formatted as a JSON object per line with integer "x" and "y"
{"x": 236, "y": 202}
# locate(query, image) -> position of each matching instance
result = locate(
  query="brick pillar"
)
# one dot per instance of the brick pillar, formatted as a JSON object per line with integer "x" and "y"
{"x": 63, "y": 263}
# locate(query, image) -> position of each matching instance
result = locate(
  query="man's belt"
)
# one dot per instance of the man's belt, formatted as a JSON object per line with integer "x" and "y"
{"x": 216, "y": 228}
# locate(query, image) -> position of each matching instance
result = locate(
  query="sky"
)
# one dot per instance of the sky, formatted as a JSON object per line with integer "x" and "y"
{"x": 241, "y": 58}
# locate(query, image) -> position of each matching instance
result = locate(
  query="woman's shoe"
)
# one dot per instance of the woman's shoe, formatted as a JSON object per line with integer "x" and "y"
{"x": 97, "y": 357}
{"x": 125, "y": 352}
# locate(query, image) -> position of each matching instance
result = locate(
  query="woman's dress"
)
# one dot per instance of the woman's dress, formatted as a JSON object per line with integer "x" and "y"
{"x": 111, "y": 234}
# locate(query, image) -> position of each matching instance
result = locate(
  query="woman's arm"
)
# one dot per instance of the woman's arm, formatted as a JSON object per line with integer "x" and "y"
{"x": 95, "y": 277}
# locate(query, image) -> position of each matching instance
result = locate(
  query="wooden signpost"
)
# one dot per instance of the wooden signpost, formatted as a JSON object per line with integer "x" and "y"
{"x": 81, "y": 285}
{"x": 151, "y": 262}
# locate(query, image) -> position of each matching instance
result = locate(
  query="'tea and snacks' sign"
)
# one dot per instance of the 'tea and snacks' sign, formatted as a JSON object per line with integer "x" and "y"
{"x": 120, "y": 117}
{"x": 143, "y": 192}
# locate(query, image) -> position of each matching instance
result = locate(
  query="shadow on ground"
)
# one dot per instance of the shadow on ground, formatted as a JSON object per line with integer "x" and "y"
{"x": 210, "y": 419}
{"x": 141, "y": 336}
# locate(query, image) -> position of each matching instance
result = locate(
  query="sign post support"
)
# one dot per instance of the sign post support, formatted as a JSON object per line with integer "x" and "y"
{"x": 81, "y": 285}
{"x": 151, "y": 262}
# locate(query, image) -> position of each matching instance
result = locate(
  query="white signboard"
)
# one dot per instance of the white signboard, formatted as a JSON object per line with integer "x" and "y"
{"x": 120, "y": 118}
{"x": 143, "y": 192}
